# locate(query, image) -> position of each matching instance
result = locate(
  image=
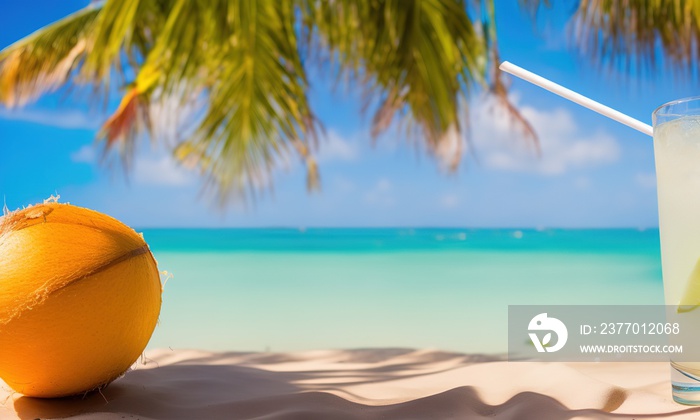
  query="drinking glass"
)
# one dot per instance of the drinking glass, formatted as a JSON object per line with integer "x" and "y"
{"x": 677, "y": 157}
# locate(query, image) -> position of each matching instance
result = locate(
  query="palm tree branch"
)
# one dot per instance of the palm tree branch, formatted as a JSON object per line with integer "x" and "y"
{"x": 257, "y": 105}
{"x": 410, "y": 58}
{"x": 46, "y": 59}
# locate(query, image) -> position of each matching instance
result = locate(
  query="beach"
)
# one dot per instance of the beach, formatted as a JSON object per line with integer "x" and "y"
{"x": 376, "y": 323}
{"x": 365, "y": 384}
{"x": 434, "y": 209}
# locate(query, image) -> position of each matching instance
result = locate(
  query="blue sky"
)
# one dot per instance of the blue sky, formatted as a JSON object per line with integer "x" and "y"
{"x": 592, "y": 173}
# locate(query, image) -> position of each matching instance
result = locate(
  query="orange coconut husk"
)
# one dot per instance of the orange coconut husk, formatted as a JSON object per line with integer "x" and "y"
{"x": 80, "y": 296}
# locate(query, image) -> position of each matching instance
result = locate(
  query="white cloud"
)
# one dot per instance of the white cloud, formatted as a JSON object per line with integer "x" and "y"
{"x": 499, "y": 144}
{"x": 86, "y": 154}
{"x": 646, "y": 180}
{"x": 335, "y": 148}
{"x": 71, "y": 119}
{"x": 161, "y": 171}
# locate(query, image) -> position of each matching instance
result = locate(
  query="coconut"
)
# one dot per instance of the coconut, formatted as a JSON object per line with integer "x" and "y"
{"x": 80, "y": 296}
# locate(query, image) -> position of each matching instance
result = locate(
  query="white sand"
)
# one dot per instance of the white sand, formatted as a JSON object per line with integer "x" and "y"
{"x": 366, "y": 384}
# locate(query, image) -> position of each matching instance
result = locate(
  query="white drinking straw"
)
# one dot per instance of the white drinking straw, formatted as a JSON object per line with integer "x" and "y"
{"x": 575, "y": 97}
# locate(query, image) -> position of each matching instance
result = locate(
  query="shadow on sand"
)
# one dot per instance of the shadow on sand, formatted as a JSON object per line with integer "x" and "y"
{"x": 203, "y": 390}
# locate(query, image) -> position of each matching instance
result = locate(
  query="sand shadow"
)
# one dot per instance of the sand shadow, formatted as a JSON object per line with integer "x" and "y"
{"x": 182, "y": 390}
{"x": 187, "y": 391}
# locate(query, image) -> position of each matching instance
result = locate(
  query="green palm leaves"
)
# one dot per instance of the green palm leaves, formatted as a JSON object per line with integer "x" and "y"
{"x": 243, "y": 63}
{"x": 636, "y": 35}
{"x": 414, "y": 59}
{"x": 630, "y": 34}
{"x": 44, "y": 60}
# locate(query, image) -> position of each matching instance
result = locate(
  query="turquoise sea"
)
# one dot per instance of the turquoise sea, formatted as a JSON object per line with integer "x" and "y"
{"x": 289, "y": 289}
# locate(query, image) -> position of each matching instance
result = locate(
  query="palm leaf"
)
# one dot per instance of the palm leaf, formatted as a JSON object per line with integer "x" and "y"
{"x": 497, "y": 86}
{"x": 410, "y": 58}
{"x": 249, "y": 67}
{"x": 45, "y": 60}
{"x": 636, "y": 36}
{"x": 415, "y": 61}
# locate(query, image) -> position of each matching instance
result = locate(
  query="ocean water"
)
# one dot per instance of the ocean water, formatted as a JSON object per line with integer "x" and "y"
{"x": 288, "y": 289}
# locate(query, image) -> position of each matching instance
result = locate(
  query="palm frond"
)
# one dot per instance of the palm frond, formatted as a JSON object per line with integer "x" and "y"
{"x": 636, "y": 36}
{"x": 44, "y": 60}
{"x": 413, "y": 59}
{"x": 243, "y": 56}
{"x": 250, "y": 69}
{"x": 497, "y": 85}
{"x": 534, "y": 6}
{"x": 125, "y": 124}
{"x": 124, "y": 33}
